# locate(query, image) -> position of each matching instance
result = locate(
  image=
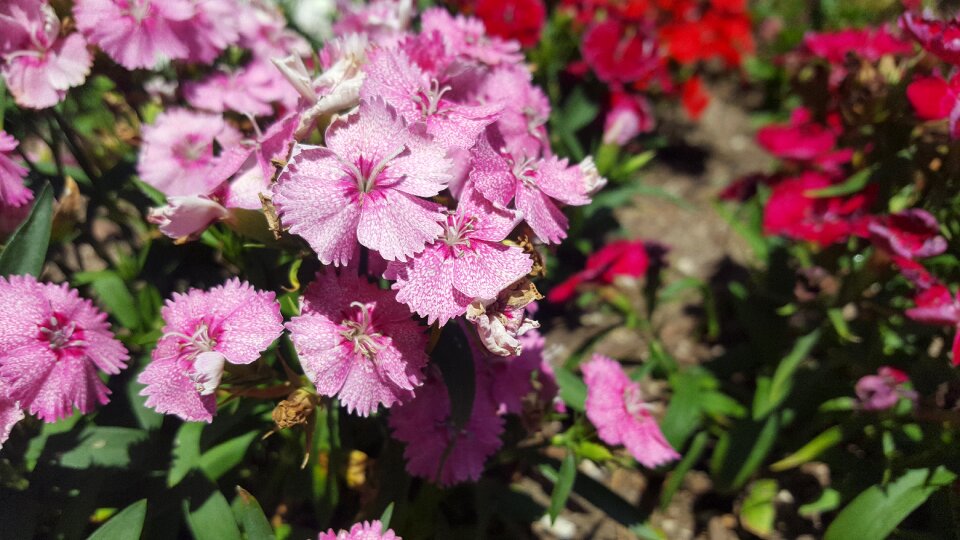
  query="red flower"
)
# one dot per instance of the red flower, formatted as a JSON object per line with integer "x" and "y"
{"x": 937, "y": 306}
{"x": 620, "y": 53}
{"x": 794, "y": 212}
{"x": 941, "y": 38}
{"x": 715, "y": 35}
{"x": 934, "y": 98}
{"x": 629, "y": 116}
{"x": 804, "y": 140}
{"x": 693, "y": 97}
{"x": 911, "y": 234}
{"x": 867, "y": 43}
{"x": 618, "y": 258}
{"x": 521, "y": 20}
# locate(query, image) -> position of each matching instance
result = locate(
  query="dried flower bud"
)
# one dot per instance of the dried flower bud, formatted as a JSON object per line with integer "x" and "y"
{"x": 295, "y": 410}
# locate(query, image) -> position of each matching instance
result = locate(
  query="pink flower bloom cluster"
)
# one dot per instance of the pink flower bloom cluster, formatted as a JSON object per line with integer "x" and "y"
{"x": 615, "y": 405}
{"x": 53, "y": 347}
{"x": 368, "y": 530}
{"x": 38, "y": 64}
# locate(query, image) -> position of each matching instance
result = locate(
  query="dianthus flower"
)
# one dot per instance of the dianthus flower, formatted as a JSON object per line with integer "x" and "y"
{"x": 629, "y": 116}
{"x": 383, "y": 21}
{"x": 805, "y": 141}
{"x": 615, "y": 405}
{"x": 937, "y": 306}
{"x": 935, "y": 98}
{"x": 12, "y": 191}
{"x": 793, "y": 211}
{"x": 882, "y": 391}
{"x": 368, "y": 530}
{"x": 251, "y": 90}
{"x": 10, "y": 413}
{"x": 419, "y": 98}
{"x": 264, "y": 31}
{"x": 910, "y": 234}
{"x": 620, "y": 53}
{"x": 53, "y": 346}
{"x": 694, "y": 97}
{"x": 619, "y": 258}
{"x": 366, "y": 185}
{"x": 466, "y": 38}
{"x": 941, "y": 38}
{"x": 534, "y": 185}
{"x": 38, "y": 65}
{"x": 723, "y": 35}
{"x": 501, "y": 321}
{"x": 871, "y": 44}
{"x": 521, "y": 20}
{"x": 465, "y": 261}
{"x": 177, "y": 156}
{"x": 525, "y": 109}
{"x": 357, "y": 343}
{"x": 435, "y": 445}
{"x": 202, "y": 331}
{"x": 513, "y": 378}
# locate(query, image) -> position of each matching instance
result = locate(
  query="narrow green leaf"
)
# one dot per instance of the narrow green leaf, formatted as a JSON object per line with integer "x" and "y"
{"x": 683, "y": 414}
{"x": 563, "y": 485}
{"x": 250, "y": 516}
{"x": 386, "y": 516}
{"x": 186, "y": 452}
{"x": 741, "y": 451}
{"x": 26, "y": 249}
{"x": 218, "y": 460}
{"x": 125, "y": 525}
{"x": 758, "y": 513}
{"x": 877, "y": 511}
{"x": 782, "y": 382}
{"x": 828, "y": 501}
{"x": 115, "y": 298}
{"x": 573, "y": 391}
{"x": 810, "y": 451}
{"x": 212, "y": 519}
{"x": 854, "y": 184}
{"x": 455, "y": 360}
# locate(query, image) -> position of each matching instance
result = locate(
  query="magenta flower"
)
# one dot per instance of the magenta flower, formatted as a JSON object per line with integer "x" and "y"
{"x": 10, "y": 413}
{"x": 53, "y": 344}
{"x": 467, "y": 261}
{"x": 368, "y": 530}
{"x": 251, "y": 90}
{"x": 629, "y": 116}
{"x": 391, "y": 75}
{"x": 616, "y": 407}
{"x": 534, "y": 185}
{"x": 935, "y": 36}
{"x": 12, "y": 191}
{"x": 366, "y": 185}
{"x": 177, "y": 156}
{"x": 254, "y": 160}
{"x": 937, "y": 306}
{"x": 882, "y": 391}
{"x": 357, "y": 343}
{"x": 37, "y": 65}
{"x": 202, "y": 331}
{"x": 187, "y": 216}
{"x": 910, "y": 234}
{"x": 513, "y": 376}
{"x": 425, "y": 426}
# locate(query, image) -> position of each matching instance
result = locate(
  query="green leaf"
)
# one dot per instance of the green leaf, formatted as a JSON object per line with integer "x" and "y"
{"x": 758, "y": 513}
{"x": 673, "y": 483}
{"x": 455, "y": 360}
{"x": 719, "y": 404}
{"x": 186, "y": 452}
{"x": 250, "y": 516}
{"x": 782, "y": 382}
{"x": 125, "y": 525}
{"x": 573, "y": 391}
{"x": 593, "y": 451}
{"x": 811, "y": 450}
{"x": 854, "y": 184}
{"x": 741, "y": 451}
{"x": 211, "y": 519}
{"x": 877, "y": 511}
{"x": 386, "y": 516}
{"x": 563, "y": 484}
{"x": 218, "y": 460}
{"x": 683, "y": 414}
{"x": 115, "y": 298}
{"x": 828, "y": 501}
{"x": 26, "y": 249}
{"x": 102, "y": 446}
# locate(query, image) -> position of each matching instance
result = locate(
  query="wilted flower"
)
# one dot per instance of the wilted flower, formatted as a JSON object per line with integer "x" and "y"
{"x": 616, "y": 407}
{"x": 202, "y": 331}
{"x": 53, "y": 346}
{"x": 357, "y": 343}
{"x": 500, "y": 322}
{"x": 372, "y": 530}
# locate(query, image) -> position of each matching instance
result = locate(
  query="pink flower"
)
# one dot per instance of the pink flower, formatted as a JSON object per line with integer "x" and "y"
{"x": 937, "y": 306}
{"x": 882, "y": 391}
{"x": 937, "y": 37}
{"x": 619, "y": 258}
{"x": 514, "y": 377}
{"x": 629, "y": 116}
{"x": 37, "y": 65}
{"x": 418, "y": 98}
{"x": 868, "y": 43}
{"x": 525, "y": 109}
{"x": 254, "y": 162}
{"x": 618, "y": 53}
{"x": 366, "y": 185}
{"x": 53, "y": 344}
{"x": 263, "y": 30}
{"x": 177, "y": 156}
{"x": 616, "y": 407}
{"x": 935, "y": 98}
{"x": 368, "y": 530}
{"x": 465, "y": 262}
{"x": 534, "y": 185}
{"x": 202, "y": 330}
{"x": 436, "y": 449}
{"x": 10, "y": 413}
{"x": 467, "y": 39}
{"x": 804, "y": 140}
{"x": 12, "y": 191}
{"x": 357, "y": 343}
{"x": 382, "y": 20}
{"x": 251, "y": 90}
{"x": 186, "y": 216}
{"x": 794, "y": 212}
{"x": 910, "y": 234}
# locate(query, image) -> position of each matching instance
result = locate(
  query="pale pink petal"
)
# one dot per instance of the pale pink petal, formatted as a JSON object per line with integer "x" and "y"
{"x": 186, "y": 216}
{"x": 396, "y": 225}
{"x": 425, "y": 283}
{"x": 170, "y": 391}
{"x": 543, "y": 216}
{"x": 489, "y": 268}
{"x": 10, "y": 413}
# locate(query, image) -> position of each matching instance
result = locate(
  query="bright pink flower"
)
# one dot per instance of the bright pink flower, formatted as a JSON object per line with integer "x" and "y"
{"x": 357, "y": 343}
{"x": 619, "y": 258}
{"x": 467, "y": 39}
{"x": 804, "y": 140}
{"x": 616, "y": 408}
{"x": 935, "y": 98}
{"x": 534, "y": 185}
{"x": 937, "y": 306}
{"x": 53, "y": 344}
{"x": 12, "y": 191}
{"x": 911, "y": 234}
{"x": 794, "y": 212}
{"x": 372, "y": 530}
{"x": 418, "y": 98}
{"x": 177, "y": 156}
{"x": 882, "y": 391}
{"x": 366, "y": 185}
{"x": 256, "y": 167}
{"x": 424, "y": 424}
{"x": 10, "y": 413}
{"x": 525, "y": 109}
{"x": 915, "y": 273}
{"x": 619, "y": 53}
{"x": 629, "y": 116}
{"x": 871, "y": 44}
{"x": 186, "y": 216}
{"x": 465, "y": 262}
{"x": 521, "y": 20}
{"x": 251, "y": 90}
{"x": 941, "y": 38}
{"x": 37, "y": 65}
{"x": 202, "y": 331}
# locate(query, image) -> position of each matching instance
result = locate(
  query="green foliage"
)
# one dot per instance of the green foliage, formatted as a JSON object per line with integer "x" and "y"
{"x": 26, "y": 249}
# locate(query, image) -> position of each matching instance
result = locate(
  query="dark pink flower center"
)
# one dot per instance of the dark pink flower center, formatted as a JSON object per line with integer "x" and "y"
{"x": 358, "y": 329}
{"x": 429, "y": 100}
{"x": 60, "y": 333}
{"x": 191, "y": 149}
{"x": 365, "y": 172}
{"x": 203, "y": 340}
